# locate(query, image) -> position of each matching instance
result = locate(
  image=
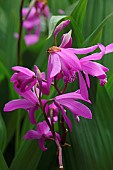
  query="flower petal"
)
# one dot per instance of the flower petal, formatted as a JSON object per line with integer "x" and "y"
{"x": 84, "y": 50}
{"x": 67, "y": 120}
{"x": 31, "y": 39}
{"x": 77, "y": 108}
{"x": 83, "y": 87}
{"x": 93, "y": 68}
{"x": 31, "y": 115}
{"x": 70, "y": 58}
{"x": 23, "y": 70}
{"x": 17, "y": 104}
{"x": 73, "y": 95}
{"x": 66, "y": 40}
{"x": 109, "y": 48}
{"x": 95, "y": 56}
{"x": 41, "y": 144}
{"x": 56, "y": 65}
{"x": 31, "y": 134}
{"x": 61, "y": 26}
{"x": 42, "y": 128}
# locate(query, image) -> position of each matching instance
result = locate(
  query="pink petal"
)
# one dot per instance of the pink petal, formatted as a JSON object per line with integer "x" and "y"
{"x": 29, "y": 95}
{"x": 23, "y": 70}
{"x": 66, "y": 40}
{"x": 17, "y": 104}
{"x": 95, "y": 56}
{"x": 31, "y": 39}
{"x": 73, "y": 95}
{"x": 31, "y": 135}
{"x": 109, "y": 48}
{"x": 71, "y": 58}
{"x": 77, "y": 108}
{"x": 56, "y": 65}
{"x": 84, "y": 50}
{"x": 49, "y": 68}
{"x": 61, "y": 26}
{"x": 93, "y": 68}
{"x": 31, "y": 14}
{"x": 41, "y": 144}
{"x": 83, "y": 87}
{"x": 67, "y": 120}
{"x": 42, "y": 128}
{"x": 30, "y": 81}
{"x": 46, "y": 11}
{"x": 87, "y": 79}
{"x": 31, "y": 115}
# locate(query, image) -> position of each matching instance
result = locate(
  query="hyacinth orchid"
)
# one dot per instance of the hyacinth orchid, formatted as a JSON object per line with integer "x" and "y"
{"x": 69, "y": 101}
{"x": 42, "y": 133}
{"x": 32, "y": 22}
{"x": 63, "y": 62}
{"x": 24, "y": 77}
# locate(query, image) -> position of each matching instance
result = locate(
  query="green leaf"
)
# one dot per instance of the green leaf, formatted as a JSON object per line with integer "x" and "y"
{"x": 3, "y": 134}
{"x": 90, "y": 40}
{"x": 27, "y": 156}
{"x": 53, "y": 22}
{"x": 3, "y": 20}
{"x": 3, "y": 165}
{"x": 79, "y": 12}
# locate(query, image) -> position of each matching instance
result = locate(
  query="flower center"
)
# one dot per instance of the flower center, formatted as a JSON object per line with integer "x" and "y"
{"x": 54, "y": 49}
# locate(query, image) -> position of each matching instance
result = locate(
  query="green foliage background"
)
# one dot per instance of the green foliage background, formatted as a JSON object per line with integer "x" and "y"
{"x": 91, "y": 140}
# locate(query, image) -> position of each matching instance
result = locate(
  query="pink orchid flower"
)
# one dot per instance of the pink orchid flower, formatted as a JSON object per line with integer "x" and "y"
{"x": 64, "y": 61}
{"x": 24, "y": 77}
{"x": 32, "y": 23}
{"x": 42, "y": 133}
{"x": 78, "y": 109}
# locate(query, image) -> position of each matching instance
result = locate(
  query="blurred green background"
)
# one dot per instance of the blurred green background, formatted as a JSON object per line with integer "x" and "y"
{"x": 91, "y": 140}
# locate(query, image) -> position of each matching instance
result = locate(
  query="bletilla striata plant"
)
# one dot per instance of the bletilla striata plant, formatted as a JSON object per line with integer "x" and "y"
{"x": 63, "y": 64}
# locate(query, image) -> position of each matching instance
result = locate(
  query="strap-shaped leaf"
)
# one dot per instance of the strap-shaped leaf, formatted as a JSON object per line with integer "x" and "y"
{"x": 96, "y": 33}
{"x": 3, "y": 165}
{"x": 79, "y": 11}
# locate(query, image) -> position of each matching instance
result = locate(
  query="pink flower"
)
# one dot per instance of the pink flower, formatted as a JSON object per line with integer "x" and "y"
{"x": 32, "y": 23}
{"x": 25, "y": 79}
{"x": 63, "y": 61}
{"x": 42, "y": 133}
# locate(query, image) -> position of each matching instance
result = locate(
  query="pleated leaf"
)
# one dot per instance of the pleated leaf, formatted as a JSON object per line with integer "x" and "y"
{"x": 79, "y": 12}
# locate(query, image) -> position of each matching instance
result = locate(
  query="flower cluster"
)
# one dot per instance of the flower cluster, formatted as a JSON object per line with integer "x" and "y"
{"x": 32, "y": 21}
{"x": 63, "y": 63}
